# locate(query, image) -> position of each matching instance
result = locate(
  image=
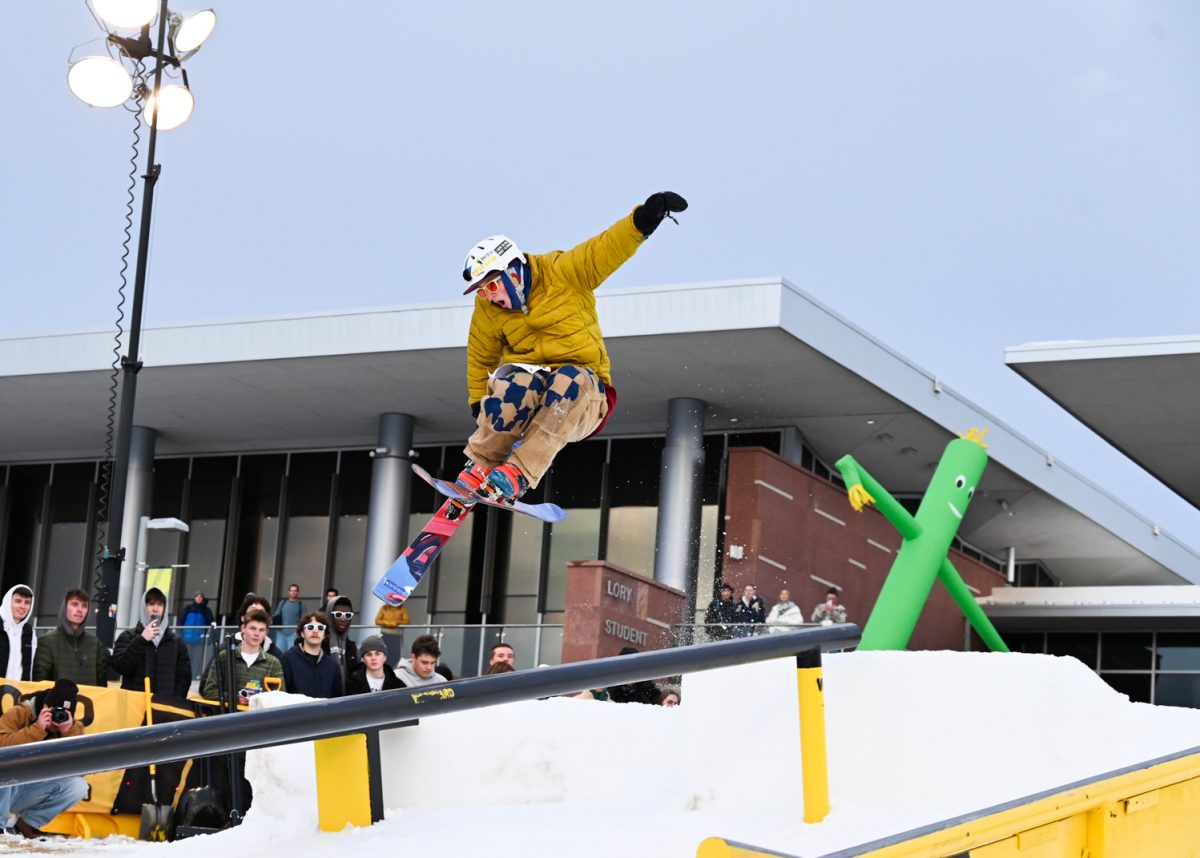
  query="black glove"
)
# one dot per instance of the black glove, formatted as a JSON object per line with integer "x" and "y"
{"x": 649, "y": 215}
{"x": 475, "y": 410}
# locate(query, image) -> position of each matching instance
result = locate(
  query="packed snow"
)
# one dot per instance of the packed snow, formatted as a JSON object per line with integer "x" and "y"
{"x": 913, "y": 738}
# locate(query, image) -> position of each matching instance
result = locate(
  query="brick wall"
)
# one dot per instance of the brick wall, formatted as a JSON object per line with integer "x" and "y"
{"x": 791, "y": 525}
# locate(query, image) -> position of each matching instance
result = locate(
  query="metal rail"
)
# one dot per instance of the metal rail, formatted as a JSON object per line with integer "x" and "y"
{"x": 320, "y": 719}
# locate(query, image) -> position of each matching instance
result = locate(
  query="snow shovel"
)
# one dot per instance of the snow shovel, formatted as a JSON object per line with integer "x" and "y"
{"x": 156, "y": 818}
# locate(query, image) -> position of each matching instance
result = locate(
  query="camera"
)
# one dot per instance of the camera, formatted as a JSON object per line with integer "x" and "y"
{"x": 60, "y": 714}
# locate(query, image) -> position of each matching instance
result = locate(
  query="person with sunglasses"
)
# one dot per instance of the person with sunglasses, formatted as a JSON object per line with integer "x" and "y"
{"x": 537, "y": 369}
{"x": 307, "y": 668}
{"x": 340, "y": 611}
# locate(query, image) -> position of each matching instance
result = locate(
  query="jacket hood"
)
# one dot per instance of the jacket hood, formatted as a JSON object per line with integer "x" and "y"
{"x": 73, "y": 631}
{"x": 6, "y": 609}
{"x": 406, "y": 674}
{"x": 144, "y": 615}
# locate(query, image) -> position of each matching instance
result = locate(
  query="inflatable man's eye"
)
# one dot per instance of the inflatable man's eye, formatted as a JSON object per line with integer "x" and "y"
{"x": 960, "y": 482}
{"x": 970, "y": 492}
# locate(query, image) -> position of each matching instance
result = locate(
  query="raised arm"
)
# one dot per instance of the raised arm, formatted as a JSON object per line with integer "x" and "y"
{"x": 864, "y": 490}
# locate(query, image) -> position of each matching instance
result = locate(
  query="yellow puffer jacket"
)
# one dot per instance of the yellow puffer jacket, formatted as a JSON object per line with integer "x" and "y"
{"x": 561, "y": 326}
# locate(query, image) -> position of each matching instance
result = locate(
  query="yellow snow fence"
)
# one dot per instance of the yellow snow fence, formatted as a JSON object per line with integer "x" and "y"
{"x": 1147, "y": 810}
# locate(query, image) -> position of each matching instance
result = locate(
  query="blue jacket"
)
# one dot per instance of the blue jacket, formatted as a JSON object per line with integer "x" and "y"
{"x": 194, "y": 616}
{"x": 311, "y": 675}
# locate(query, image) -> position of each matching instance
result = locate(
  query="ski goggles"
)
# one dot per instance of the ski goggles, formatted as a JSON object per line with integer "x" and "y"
{"x": 314, "y": 627}
{"x": 342, "y": 615}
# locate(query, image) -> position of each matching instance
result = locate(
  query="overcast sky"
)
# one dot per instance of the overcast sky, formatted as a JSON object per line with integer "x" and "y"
{"x": 951, "y": 177}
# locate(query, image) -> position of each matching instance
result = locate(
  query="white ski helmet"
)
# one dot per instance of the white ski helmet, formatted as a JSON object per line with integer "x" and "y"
{"x": 494, "y": 253}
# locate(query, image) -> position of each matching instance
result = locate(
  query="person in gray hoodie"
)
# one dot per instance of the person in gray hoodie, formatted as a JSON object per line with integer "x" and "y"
{"x": 419, "y": 669}
{"x": 151, "y": 648}
{"x": 18, "y": 643}
{"x": 340, "y": 611}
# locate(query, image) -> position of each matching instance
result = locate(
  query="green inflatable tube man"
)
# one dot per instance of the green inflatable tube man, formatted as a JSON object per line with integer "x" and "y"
{"x": 927, "y": 538}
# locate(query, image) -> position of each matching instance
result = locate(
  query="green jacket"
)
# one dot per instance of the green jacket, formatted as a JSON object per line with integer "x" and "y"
{"x": 561, "y": 326}
{"x": 246, "y": 677}
{"x": 80, "y": 658}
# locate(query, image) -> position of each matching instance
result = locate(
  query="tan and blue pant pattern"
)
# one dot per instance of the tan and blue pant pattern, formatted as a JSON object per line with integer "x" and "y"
{"x": 543, "y": 411}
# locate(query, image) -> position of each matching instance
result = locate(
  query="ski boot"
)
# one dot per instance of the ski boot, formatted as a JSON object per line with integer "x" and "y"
{"x": 469, "y": 478}
{"x": 504, "y": 484}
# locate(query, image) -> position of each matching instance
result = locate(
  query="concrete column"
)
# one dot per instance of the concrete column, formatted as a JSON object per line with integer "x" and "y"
{"x": 387, "y": 518}
{"x": 677, "y": 540}
{"x": 138, "y": 489}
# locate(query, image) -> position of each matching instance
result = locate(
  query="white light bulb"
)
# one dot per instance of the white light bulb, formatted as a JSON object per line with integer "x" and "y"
{"x": 121, "y": 14}
{"x": 175, "y": 105}
{"x": 99, "y": 81}
{"x": 192, "y": 29}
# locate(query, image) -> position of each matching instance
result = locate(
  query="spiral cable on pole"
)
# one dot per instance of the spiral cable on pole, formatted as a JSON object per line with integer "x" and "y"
{"x": 105, "y": 486}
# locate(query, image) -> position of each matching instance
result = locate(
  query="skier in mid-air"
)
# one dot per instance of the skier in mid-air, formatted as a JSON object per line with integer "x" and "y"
{"x": 537, "y": 369}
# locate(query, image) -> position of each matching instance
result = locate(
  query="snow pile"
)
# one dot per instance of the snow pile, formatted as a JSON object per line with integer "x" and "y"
{"x": 912, "y": 737}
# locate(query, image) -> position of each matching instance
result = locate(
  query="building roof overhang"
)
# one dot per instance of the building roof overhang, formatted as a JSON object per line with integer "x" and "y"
{"x": 759, "y": 352}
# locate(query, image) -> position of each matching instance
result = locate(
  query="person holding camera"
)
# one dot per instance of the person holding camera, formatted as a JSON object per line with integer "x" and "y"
{"x": 151, "y": 648}
{"x": 37, "y": 717}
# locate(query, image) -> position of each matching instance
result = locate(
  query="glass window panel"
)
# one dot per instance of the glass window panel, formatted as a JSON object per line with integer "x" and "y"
{"x": 524, "y": 558}
{"x": 64, "y": 565}
{"x": 1024, "y": 641}
{"x": 1080, "y": 645}
{"x": 23, "y": 536}
{"x": 1125, "y": 651}
{"x": 576, "y": 475}
{"x": 418, "y": 610}
{"x": 304, "y": 558}
{"x": 631, "y": 538}
{"x": 1178, "y": 651}
{"x": 770, "y": 440}
{"x": 706, "y": 577}
{"x": 577, "y": 537}
{"x": 634, "y": 471}
{"x": 205, "y": 552}
{"x": 264, "y": 564}
{"x": 520, "y": 609}
{"x": 261, "y": 482}
{"x": 1135, "y": 685}
{"x": 550, "y": 651}
{"x": 354, "y": 483}
{"x": 1177, "y": 689}
{"x": 714, "y": 449}
{"x": 350, "y": 554}
{"x": 166, "y": 500}
{"x": 449, "y": 575}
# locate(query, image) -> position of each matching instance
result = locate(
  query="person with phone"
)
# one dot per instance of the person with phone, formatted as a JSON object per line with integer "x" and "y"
{"x": 830, "y": 611}
{"x": 151, "y": 648}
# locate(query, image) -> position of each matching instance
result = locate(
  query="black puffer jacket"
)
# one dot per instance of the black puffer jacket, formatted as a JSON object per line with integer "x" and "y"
{"x": 356, "y": 682}
{"x": 167, "y": 664}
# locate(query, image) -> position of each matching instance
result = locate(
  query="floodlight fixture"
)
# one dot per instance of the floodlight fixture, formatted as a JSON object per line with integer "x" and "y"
{"x": 100, "y": 81}
{"x": 189, "y": 30}
{"x": 174, "y": 103}
{"x": 125, "y": 14}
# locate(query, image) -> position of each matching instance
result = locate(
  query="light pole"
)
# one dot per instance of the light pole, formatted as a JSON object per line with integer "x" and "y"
{"x": 105, "y": 81}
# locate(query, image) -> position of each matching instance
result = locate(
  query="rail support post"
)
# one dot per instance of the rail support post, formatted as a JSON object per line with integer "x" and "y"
{"x": 813, "y": 761}
{"x": 349, "y": 781}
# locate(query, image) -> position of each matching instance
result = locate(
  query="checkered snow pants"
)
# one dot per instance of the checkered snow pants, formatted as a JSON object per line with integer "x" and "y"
{"x": 545, "y": 411}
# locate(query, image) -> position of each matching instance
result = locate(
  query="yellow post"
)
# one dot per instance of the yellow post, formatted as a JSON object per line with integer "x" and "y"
{"x": 348, "y": 781}
{"x": 813, "y": 764}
